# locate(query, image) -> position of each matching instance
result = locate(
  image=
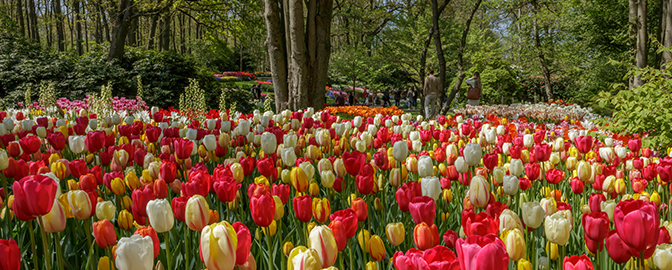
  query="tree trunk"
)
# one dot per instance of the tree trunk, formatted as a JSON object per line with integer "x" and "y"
{"x": 105, "y": 23}
{"x": 152, "y": 32}
{"x": 632, "y": 21}
{"x": 48, "y": 16}
{"x": 19, "y": 16}
{"x": 667, "y": 35}
{"x": 86, "y": 28}
{"x": 78, "y": 27}
{"x": 540, "y": 54}
{"x": 132, "y": 38}
{"x": 275, "y": 44}
{"x": 35, "y": 34}
{"x": 164, "y": 37}
{"x": 60, "y": 34}
{"x": 120, "y": 28}
{"x": 439, "y": 51}
{"x": 299, "y": 73}
{"x": 183, "y": 47}
{"x": 460, "y": 60}
{"x": 642, "y": 39}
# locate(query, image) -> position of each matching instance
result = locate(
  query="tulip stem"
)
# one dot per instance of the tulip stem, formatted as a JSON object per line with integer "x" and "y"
{"x": 186, "y": 247}
{"x": 166, "y": 237}
{"x": 88, "y": 226}
{"x": 32, "y": 243}
{"x": 352, "y": 264}
{"x": 8, "y": 216}
{"x": 59, "y": 252}
{"x": 45, "y": 246}
{"x": 271, "y": 257}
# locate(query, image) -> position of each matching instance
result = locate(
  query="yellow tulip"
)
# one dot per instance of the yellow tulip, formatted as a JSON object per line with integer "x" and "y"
{"x": 287, "y": 248}
{"x": 321, "y": 209}
{"x": 524, "y": 264}
{"x": 395, "y": 233}
{"x": 314, "y": 189}
{"x": 58, "y": 169}
{"x": 279, "y": 208}
{"x": 302, "y": 258}
{"x": 371, "y": 266}
{"x": 125, "y": 220}
{"x": 273, "y": 228}
{"x": 376, "y": 248}
{"x": 363, "y": 238}
{"x": 322, "y": 240}
{"x": 553, "y": 252}
{"x": 515, "y": 243}
{"x": 218, "y": 246}
{"x": 132, "y": 181}
{"x": 80, "y": 204}
{"x": 237, "y": 172}
{"x": 298, "y": 179}
{"x": 104, "y": 263}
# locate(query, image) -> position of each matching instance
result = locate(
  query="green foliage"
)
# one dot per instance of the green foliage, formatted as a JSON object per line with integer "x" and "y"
{"x": 646, "y": 109}
{"x": 236, "y": 98}
{"x": 47, "y": 95}
{"x": 165, "y": 74}
{"x": 214, "y": 54}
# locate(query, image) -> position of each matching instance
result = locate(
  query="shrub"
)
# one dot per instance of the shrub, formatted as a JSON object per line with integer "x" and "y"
{"x": 645, "y": 110}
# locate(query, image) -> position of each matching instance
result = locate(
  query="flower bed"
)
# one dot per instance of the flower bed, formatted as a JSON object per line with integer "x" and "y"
{"x": 307, "y": 190}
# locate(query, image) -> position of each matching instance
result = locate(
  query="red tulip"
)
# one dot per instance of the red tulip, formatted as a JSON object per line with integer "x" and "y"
{"x": 593, "y": 245}
{"x": 149, "y": 231}
{"x": 577, "y": 185}
{"x": 542, "y": 152}
{"x": 663, "y": 236}
{"x": 664, "y": 170}
{"x": 30, "y": 144}
{"x": 524, "y": 183}
{"x": 168, "y": 171}
{"x": 365, "y": 183}
{"x": 97, "y": 172}
{"x": 104, "y": 233}
{"x": 641, "y": 217}
{"x": 595, "y": 200}
{"x": 576, "y": 262}
{"x": 257, "y": 189}
{"x": 78, "y": 168}
{"x": 478, "y": 224}
{"x": 361, "y": 209}
{"x": 87, "y": 182}
{"x": 449, "y": 238}
{"x": 584, "y": 144}
{"x": 95, "y": 140}
{"x": 262, "y": 208}
{"x": 349, "y": 220}
{"x": 282, "y": 191}
{"x": 141, "y": 197}
{"x": 635, "y": 145}
{"x": 490, "y": 161}
{"x": 179, "y": 207}
{"x": 649, "y": 172}
{"x": 160, "y": 189}
{"x": 33, "y": 196}
{"x": 482, "y": 252}
{"x": 406, "y": 193}
{"x": 595, "y": 225}
{"x": 426, "y": 236}
{"x": 199, "y": 183}
{"x": 532, "y": 170}
{"x": 248, "y": 165}
{"x": 56, "y": 140}
{"x": 267, "y": 168}
{"x": 303, "y": 208}
{"x": 617, "y": 249}
{"x": 353, "y": 162}
{"x": 554, "y": 176}
{"x": 338, "y": 230}
{"x": 10, "y": 255}
{"x": 226, "y": 188}
{"x": 244, "y": 243}
{"x": 423, "y": 209}
{"x": 152, "y": 134}
{"x": 183, "y": 148}
{"x": 139, "y": 157}
{"x": 639, "y": 184}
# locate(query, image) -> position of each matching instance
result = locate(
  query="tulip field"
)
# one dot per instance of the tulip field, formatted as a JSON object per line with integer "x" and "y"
{"x": 482, "y": 189}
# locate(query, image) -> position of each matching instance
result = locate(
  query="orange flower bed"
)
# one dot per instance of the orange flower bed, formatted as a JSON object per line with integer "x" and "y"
{"x": 365, "y": 110}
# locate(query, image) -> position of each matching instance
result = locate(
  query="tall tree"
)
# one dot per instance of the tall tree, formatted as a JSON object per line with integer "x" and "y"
{"x": 667, "y": 29}
{"x": 78, "y": 26}
{"x": 545, "y": 71}
{"x": 439, "y": 50}
{"x": 299, "y": 50}
{"x": 60, "y": 32}
{"x": 460, "y": 57}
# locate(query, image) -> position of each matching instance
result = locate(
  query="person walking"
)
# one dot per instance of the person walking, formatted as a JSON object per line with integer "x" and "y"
{"x": 386, "y": 98}
{"x": 397, "y": 97}
{"x": 475, "y": 89}
{"x": 410, "y": 95}
{"x": 431, "y": 91}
